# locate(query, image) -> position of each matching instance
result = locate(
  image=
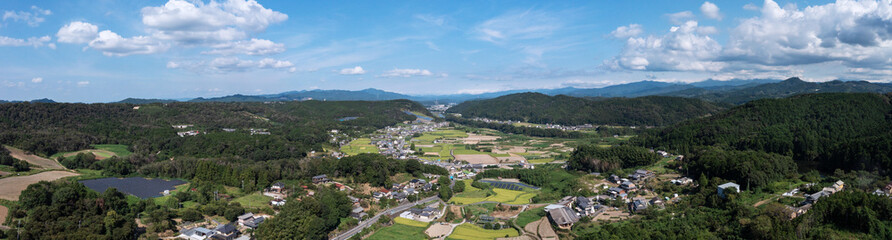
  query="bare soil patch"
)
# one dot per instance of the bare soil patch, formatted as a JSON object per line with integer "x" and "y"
{"x": 612, "y": 215}
{"x": 33, "y": 159}
{"x": 13, "y": 186}
{"x": 438, "y": 229}
{"x": 545, "y": 230}
{"x": 512, "y": 149}
{"x": 506, "y": 212}
{"x": 477, "y": 158}
{"x": 512, "y": 158}
{"x": 2, "y": 173}
{"x": 475, "y": 139}
{"x": 3, "y": 212}
{"x": 456, "y": 210}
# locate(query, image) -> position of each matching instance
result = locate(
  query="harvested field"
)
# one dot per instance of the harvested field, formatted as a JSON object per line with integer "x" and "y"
{"x": 438, "y": 230}
{"x": 100, "y": 154}
{"x": 2, "y": 173}
{"x": 614, "y": 215}
{"x": 476, "y": 158}
{"x": 33, "y": 159}
{"x": 512, "y": 158}
{"x": 13, "y": 186}
{"x": 513, "y": 149}
{"x": 3, "y": 212}
{"x": 475, "y": 139}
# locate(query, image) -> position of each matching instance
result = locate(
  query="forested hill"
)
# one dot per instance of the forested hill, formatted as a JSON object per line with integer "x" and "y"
{"x": 789, "y": 87}
{"x": 295, "y": 127}
{"x": 565, "y": 110}
{"x": 831, "y": 130}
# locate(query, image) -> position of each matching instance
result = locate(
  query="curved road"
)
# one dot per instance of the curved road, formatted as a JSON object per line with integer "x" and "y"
{"x": 364, "y": 224}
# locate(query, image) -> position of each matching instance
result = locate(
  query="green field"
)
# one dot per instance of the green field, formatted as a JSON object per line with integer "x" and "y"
{"x": 475, "y": 195}
{"x": 118, "y": 149}
{"x": 441, "y": 134}
{"x": 358, "y": 146}
{"x": 528, "y": 216}
{"x": 254, "y": 200}
{"x": 469, "y": 231}
{"x": 163, "y": 199}
{"x": 402, "y": 229}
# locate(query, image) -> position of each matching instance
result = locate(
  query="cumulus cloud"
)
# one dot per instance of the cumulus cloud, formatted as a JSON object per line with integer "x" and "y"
{"x": 396, "y": 72}
{"x": 37, "y": 80}
{"x": 352, "y": 71}
{"x": 680, "y": 17}
{"x": 710, "y": 10}
{"x": 855, "y": 33}
{"x": 194, "y": 22}
{"x": 684, "y": 48}
{"x": 250, "y": 47}
{"x": 232, "y": 64}
{"x": 77, "y": 32}
{"x": 112, "y": 44}
{"x": 32, "y": 18}
{"x": 624, "y": 32}
{"x": 517, "y": 25}
{"x": 32, "y": 41}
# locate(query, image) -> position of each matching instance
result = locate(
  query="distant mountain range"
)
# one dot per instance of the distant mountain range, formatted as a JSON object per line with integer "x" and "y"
{"x": 42, "y": 100}
{"x": 735, "y": 91}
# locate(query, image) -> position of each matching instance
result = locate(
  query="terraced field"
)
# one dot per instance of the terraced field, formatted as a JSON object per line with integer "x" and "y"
{"x": 469, "y": 231}
{"x": 358, "y": 146}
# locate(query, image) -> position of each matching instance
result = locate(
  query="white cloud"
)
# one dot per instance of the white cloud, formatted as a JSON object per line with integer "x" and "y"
{"x": 83, "y": 83}
{"x": 680, "y": 17}
{"x": 251, "y": 47}
{"x": 77, "y": 32}
{"x": 435, "y": 20}
{"x": 624, "y": 32}
{"x": 751, "y": 7}
{"x": 17, "y": 42}
{"x": 112, "y": 44}
{"x": 432, "y": 46}
{"x": 197, "y": 22}
{"x": 514, "y": 25}
{"x": 352, "y": 71}
{"x": 37, "y": 80}
{"x": 232, "y": 64}
{"x": 855, "y": 33}
{"x": 396, "y": 72}
{"x": 684, "y": 48}
{"x": 33, "y": 18}
{"x": 710, "y": 10}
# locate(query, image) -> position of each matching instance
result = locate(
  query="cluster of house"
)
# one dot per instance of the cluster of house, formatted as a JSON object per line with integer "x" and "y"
{"x": 440, "y": 107}
{"x": 391, "y": 141}
{"x": 401, "y": 192}
{"x": 277, "y": 191}
{"x": 224, "y": 231}
{"x": 545, "y": 126}
{"x": 885, "y": 191}
{"x": 258, "y": 131}
{"x": 570, "y": 209}
{"x": 811, "y": 199}
{"x": 627, "y": 185}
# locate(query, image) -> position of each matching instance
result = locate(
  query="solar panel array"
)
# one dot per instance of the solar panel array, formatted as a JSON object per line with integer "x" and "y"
{"x": 504, "y": 185}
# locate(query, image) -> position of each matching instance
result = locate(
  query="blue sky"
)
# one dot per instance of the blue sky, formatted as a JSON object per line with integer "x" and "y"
{"x": 99, "y": 50}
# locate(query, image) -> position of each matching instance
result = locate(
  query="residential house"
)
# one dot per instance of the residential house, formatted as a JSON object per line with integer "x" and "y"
{"x": 486, "y": 219}
{"x": 563, "y": 217}
{"x": 399, "y": 196}
{"x": 838, "y": 185}
{"x": 615, "y": 191}
{"x": 254, "y": 222}
{"x": 427, "y": 187}
{"x": 641, "y": 175}
{"x": 627, "y": 185}
{"x": 353, "y": 199}
{"x": 814, "y": 197}
{"x": 584, "y": 205}
{"x": 340, "y": 187}
{"x": 638, "y": 205}
{"x": 244, "y": 218}
{"x": 278, "y": 202}
{"x": 226, "y": 232}
{"x": 250, "y": 220}
{"x": 682, "y": 181}
{"x": 888, "y": 188}
{"x": 278, "y": 187}
{"x": 198, "y": 233}
{"x": 724, "y": 187}
{"x": 358, "y": 213}
{"x": 229, "y": 129}
{"x": 425, "y": 214}
{"x": 321, "y": 179}
{"x": 657, "y": 202}
{"x": 613, "y": 178}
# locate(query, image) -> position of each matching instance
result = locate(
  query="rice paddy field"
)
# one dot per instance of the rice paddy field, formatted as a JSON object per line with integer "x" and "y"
{"x": 469, "y": 231}
{"x": 475, "y": 195}
{"x": 402, "y": 229}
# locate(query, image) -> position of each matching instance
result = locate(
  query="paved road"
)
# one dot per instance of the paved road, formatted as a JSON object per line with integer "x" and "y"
{"x": 391, "y": 211}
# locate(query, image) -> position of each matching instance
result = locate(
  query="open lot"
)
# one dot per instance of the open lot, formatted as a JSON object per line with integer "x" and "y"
{"x": 254, "y": 200}
{"x": 33, "y": 159}
{"x": 12, "y": 186}
{"x": 469, "y": 231}
{"x": 438, "y": 229}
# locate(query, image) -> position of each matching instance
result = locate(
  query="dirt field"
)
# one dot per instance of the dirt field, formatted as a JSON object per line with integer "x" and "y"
{"x": 506, "y": 212}
{"x": 456, "y": 210}
{"x": 541, "y": 227}
{"x": 513, "y": 149}
{"x": 3, "y": 212}
{"x": 512, "y": 158}
{"x": 32, "y": 159}
{"x": 2, "y": 173}
{"x": 477, "y": 158}
{"x": 438, "y": 229}
{"x": 614, "y": 215}
{"x": 13, "y": 186}
{"x": 475, "y": 139}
